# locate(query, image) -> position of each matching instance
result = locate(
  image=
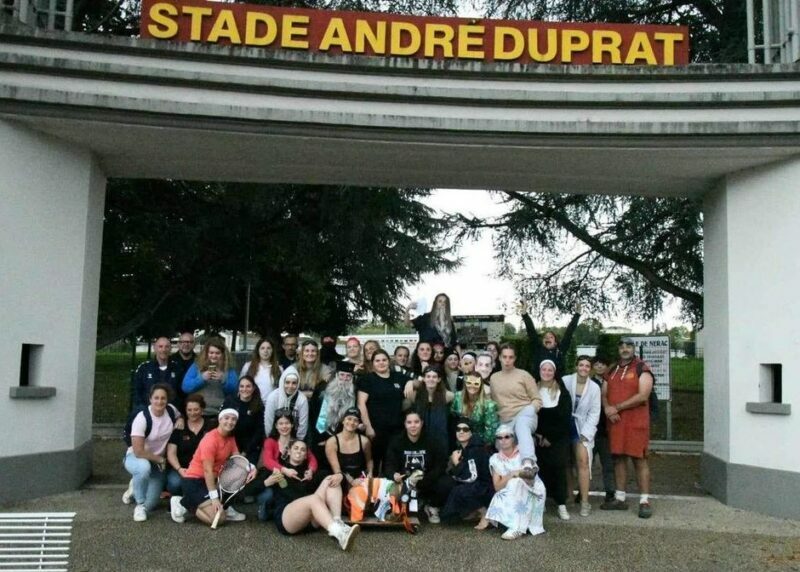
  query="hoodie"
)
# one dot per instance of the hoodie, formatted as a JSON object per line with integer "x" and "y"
{"x": 278, "y": 399}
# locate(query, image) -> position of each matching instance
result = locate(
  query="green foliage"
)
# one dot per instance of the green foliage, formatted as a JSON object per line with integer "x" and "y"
{"x": 316, "y": 258}
{"x": 687, "y": 374}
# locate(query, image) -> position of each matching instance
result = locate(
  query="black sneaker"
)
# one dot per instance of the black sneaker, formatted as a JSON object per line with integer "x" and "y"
{"x": 645, "y": 510}
{"x": 614, "y": 504}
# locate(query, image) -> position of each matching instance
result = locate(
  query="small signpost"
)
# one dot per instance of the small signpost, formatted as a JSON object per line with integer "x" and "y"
{"x": 655, "y": 351}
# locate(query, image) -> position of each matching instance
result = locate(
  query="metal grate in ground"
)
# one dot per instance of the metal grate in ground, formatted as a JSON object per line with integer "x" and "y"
{"x": 35, "y": 541}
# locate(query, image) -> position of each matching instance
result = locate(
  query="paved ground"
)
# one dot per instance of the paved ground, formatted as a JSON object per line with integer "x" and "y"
{"x": 695, "y": 533}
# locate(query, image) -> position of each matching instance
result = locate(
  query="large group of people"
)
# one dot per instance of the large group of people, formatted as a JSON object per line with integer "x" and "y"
{"x": 474, "y": 435}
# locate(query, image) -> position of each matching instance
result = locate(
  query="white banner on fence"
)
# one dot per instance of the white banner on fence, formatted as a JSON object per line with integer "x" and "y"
{"x": 655, "y": 351}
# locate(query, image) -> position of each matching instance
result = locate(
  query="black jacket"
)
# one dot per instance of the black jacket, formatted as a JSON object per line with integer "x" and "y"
{"x": 539, "y": 353}
{"x": 554, "y": 422}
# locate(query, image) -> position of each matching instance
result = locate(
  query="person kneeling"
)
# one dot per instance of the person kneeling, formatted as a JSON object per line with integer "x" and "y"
{"x": 299, "y": 508}
{"x": 199, "y": 484}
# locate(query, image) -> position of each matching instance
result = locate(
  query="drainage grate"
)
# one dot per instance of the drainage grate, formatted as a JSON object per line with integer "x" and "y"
{"x": 35, "y": 540}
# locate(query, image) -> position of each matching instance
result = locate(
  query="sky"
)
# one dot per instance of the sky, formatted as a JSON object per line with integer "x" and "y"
{"x": 474, "y": 287}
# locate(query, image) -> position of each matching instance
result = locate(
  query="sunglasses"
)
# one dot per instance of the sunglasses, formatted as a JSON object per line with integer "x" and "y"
{"x": 503, "y": 437}
{"x": 463, "y": 430}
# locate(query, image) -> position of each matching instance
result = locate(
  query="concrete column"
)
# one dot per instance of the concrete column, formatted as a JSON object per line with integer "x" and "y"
{"x": 51, "y": 223}
{"x": 752, "y": 324}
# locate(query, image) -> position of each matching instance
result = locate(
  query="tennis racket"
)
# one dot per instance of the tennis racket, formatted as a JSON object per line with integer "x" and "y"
{"x": 231, "y": 479}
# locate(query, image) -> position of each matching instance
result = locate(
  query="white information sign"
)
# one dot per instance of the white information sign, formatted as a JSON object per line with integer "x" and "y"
{"x": 655, "y": 351}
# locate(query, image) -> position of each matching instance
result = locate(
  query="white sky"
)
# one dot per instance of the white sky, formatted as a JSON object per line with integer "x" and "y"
{"x": 474, "y": 287}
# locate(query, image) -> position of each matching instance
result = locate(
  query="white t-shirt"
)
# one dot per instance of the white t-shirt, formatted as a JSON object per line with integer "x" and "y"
{"x": 156, "y": 441}
{"x": 263, "y": 379}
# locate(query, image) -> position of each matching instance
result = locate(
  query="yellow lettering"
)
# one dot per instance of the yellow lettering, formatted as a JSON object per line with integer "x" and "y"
{"x": 573, "y": 41}
{"x": 640, "y": 50}
{"x": 197, "y": 14}
{"x": 225, "y": 27}
{"x": 533, "y": 45}
{"x": 439, "y": 35}
{"x": 606, "y": 42}
{"x": 335, "y": 35}
{"x": 376, "y": 38}
{"x": 517, "y": 41}
{"x": 251, "y": 31}
{"x": 160, "y": 14}
{"x": 292, "y": 29}
{"x": 669, "y": 39}
{"x": 399, "y": 29}
{"x": 467, "y": 41}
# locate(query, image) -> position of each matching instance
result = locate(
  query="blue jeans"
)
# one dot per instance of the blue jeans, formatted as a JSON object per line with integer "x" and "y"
{"x": 525, "y": 423}
{"x": 173, "y": 482}
{"x": 148, "y": 483}
{"x": 265, "y": 501}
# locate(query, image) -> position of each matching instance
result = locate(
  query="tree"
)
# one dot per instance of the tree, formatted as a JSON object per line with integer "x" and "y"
{"x": 316, "y": 258}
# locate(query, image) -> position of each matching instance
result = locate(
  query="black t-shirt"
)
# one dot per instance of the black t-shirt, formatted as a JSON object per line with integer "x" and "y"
{"x": 385, "y": 403}
{"x": 187, "y": 442}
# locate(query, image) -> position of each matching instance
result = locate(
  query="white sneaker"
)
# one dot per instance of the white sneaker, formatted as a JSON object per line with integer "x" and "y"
{"x": 176, "y": 510}
{"x": 139, "y": 513}
{"x": 234, "y": 515}
{"x": 586, "y": 509}
{"x": 512, "y": 534}
{"x": 433, "y": 514}
{"x": 128, "y": 494}
{"x": 343, "y": 533}
{"x": 562, "y": 512}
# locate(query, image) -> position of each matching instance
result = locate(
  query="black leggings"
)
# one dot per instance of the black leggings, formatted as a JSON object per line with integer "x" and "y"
{"x": 553, "y": 469}
{"x": 379, "y": 445}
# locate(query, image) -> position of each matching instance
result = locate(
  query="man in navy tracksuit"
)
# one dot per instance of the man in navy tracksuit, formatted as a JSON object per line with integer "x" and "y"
{"x": 158, "y": 370}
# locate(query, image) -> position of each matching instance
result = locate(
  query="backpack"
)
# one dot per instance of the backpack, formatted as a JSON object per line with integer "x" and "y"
{"x": 148, "y": 419}
{"x": 652, "y": 402}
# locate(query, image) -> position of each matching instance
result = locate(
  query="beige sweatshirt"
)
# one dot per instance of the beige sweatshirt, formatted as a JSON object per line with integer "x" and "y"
{"x": 512, "y": 391}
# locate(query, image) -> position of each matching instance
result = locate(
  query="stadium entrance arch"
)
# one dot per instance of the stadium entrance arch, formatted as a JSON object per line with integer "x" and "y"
{"x": 76, "y": 110}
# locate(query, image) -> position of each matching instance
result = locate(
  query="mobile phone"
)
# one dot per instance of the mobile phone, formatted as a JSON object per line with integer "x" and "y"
{"x": 212, "y": 368}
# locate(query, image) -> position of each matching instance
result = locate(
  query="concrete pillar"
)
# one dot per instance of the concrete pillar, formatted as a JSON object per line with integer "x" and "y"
{"x": 51, "y": 223}
{"x": 752, "y": 326}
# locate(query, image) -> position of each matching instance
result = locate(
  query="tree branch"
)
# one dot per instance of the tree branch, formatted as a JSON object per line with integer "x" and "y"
{"x": 601, "y": 248}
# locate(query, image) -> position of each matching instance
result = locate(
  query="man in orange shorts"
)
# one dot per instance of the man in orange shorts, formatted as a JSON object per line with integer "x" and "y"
{"x": 626, "y": 395}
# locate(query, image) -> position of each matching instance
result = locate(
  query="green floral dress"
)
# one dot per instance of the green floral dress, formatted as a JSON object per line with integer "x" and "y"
{"x": 484, "y": 417}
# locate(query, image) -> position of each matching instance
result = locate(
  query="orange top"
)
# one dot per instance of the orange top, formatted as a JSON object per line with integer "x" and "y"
{"x": 212, "y": 446}
{"x": 631, "y": 434}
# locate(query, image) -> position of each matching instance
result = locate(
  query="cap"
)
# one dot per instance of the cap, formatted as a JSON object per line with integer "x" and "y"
{"x": 626, "y": 340}
{"x": 352, "y": 412}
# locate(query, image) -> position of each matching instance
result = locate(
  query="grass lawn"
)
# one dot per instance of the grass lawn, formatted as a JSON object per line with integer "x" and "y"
{"x": 687, "y": 374}
{"x": 112, "y": 386}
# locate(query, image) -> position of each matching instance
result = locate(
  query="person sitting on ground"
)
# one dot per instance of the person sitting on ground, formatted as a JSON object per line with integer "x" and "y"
{"x": 518, "y": 403}
{"x": 431, "y": 400}
{"x": 350, "y": 453}
{"x": 213, "y": 376}
{"x": 275, "y": 457}
{"x": 263, "y": 367}
{"x": 250, "y": 426}
{"x": 473, "y": 403}
{"x": 288, "y": 396}
{"x": 469, "y": 468}
{"x": 548, "y": 347}
{"x": 601, "y": 445}
{"x": 518, "y": 503}
{"x": 145, "y": 459}
{"x": 436, "y": 325}
{"x": 413, "y": 450}
{"x": 299, "y": 508}
{"x": 553, "y": 435}
{"x": 199, "y": 485}
{"x": 586, "y": 407}
{"x": 183, "y": 442}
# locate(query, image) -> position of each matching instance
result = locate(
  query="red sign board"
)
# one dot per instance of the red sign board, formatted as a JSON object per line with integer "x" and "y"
{"x": 392, "y": 35}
